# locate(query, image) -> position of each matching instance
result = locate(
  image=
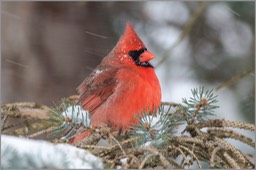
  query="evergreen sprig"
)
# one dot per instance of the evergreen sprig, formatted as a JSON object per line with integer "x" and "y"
{"x": 200, "y": 105}
{"x": 155, "y": 129}
{"x": 71, "y": 118}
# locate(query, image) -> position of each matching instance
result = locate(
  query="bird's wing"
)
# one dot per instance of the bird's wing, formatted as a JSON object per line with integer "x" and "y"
{"x": 96, "y": 89}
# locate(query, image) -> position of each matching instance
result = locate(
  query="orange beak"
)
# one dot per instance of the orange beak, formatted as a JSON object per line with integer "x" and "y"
{"x": 146, "y": 56}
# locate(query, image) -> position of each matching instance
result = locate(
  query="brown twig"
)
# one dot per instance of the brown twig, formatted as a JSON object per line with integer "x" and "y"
{"x": 17, "y": 123}
{"x": 192, "y": 154}
{"x": 185, "y": 31}
{"x": 234, "y": 79}
{"x": 228, "y": 146}
{"x": 154, "y": 151}
{"x": 226, "y": 123}
{"x": 214, "y": 155}
{"x": 3, "y": 122}
{"x": 240, "y": 125}
{"x": 228, "y": 133}
{"x": 117, "y": 142}
{"x": 142, "y": 164}
{"x": 45, "y": 131}
{"x": 181, "y": 152}
{"x": 231, "y": 161}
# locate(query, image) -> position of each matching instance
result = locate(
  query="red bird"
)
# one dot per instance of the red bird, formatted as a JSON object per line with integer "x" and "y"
{"x": 123, "y": 84}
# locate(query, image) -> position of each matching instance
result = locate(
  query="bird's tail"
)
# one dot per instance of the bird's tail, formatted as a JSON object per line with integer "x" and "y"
{"x": 79, "y": 137}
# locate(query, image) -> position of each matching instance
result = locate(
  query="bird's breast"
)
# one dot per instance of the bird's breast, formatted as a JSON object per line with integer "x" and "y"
{"x": 136, "y": 92}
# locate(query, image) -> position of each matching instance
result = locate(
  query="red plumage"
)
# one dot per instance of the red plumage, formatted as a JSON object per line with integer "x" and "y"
{"x": 123, "y": 84}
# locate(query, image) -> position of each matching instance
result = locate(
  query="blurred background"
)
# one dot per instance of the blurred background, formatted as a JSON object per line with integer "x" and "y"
{"x": 48, "y": 48}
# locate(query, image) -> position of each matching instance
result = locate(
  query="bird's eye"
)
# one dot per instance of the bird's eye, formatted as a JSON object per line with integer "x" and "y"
{"x": 135, "y": 56}
{"x": 136, "y": 53}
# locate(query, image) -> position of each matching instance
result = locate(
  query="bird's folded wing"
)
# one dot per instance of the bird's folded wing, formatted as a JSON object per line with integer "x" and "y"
{"x": 97, "y": 88}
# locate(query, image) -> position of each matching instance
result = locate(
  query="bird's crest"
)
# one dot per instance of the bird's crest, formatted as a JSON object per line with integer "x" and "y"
{"x": 129, "y": 40}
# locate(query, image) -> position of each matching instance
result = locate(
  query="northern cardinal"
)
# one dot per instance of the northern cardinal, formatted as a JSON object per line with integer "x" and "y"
{"x": 122, "y": 85}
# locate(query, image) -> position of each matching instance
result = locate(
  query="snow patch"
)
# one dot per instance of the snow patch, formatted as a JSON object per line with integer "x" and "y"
{"x": 98, "y": 71}
{"x": 124, "y": 160}
{"x": 22, "y": 153}
{"x": 78, "y": 115}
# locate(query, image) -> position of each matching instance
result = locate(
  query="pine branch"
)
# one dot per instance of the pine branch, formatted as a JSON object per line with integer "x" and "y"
{"x": 150, "y": 143}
